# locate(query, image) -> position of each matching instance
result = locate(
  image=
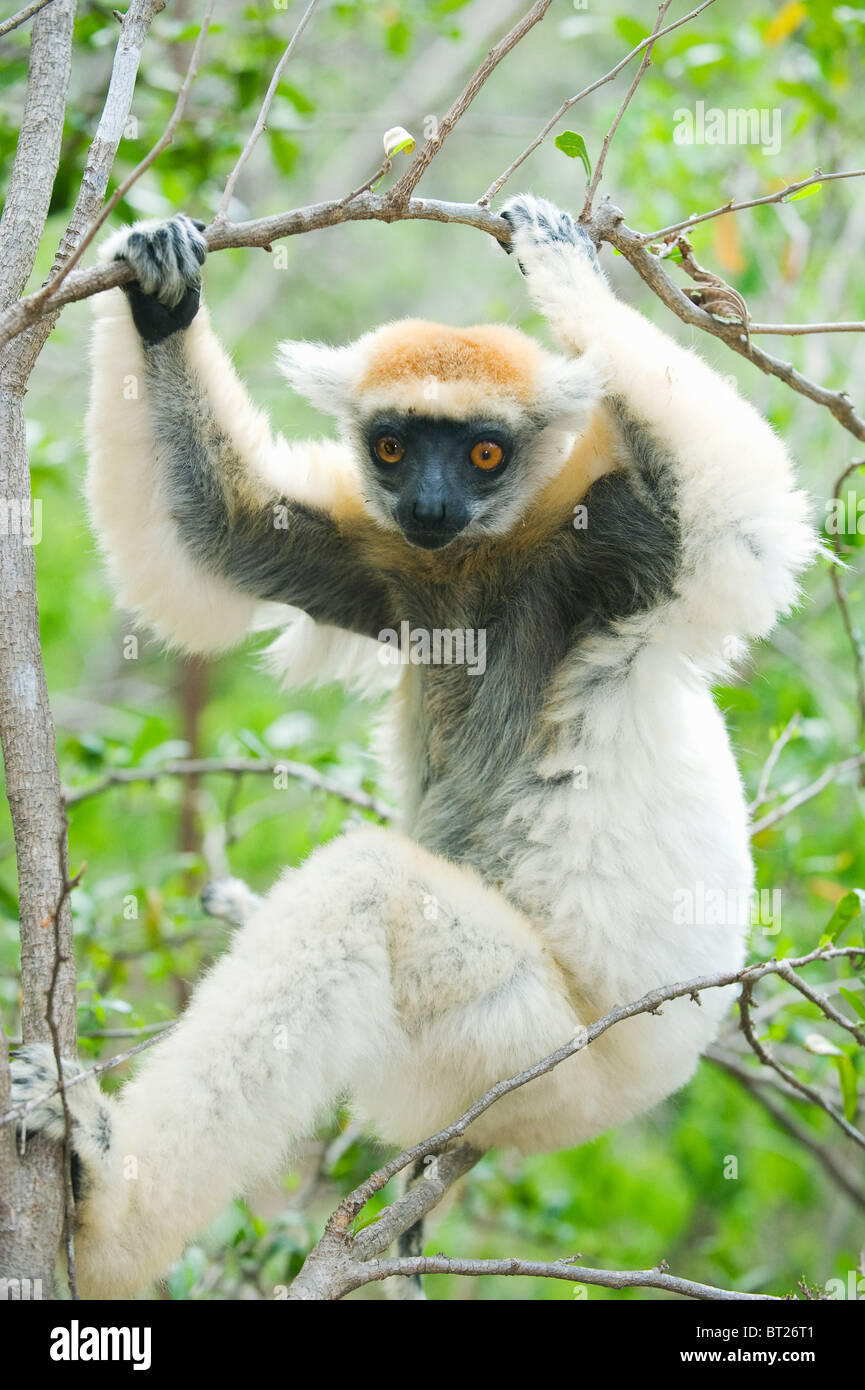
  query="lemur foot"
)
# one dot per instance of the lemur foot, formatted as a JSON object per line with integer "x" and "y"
{"x": 538, "y": 227}
{"x": 167, "y": 258}
{"x": 229, "y": 899}
{"x": 34, "y": 1075}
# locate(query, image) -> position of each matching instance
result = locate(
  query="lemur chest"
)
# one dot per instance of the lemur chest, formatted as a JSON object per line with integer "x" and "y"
{"x": 470, "y": 717}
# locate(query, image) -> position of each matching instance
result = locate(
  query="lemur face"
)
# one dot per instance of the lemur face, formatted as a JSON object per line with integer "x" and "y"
{"x": 455, "y": 430}
{"x": 437, "y": 478}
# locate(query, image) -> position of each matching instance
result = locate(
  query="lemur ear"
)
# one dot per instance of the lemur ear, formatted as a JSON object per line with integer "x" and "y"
{"x": 324, "y": 375}
{"x": 569, "y": 389}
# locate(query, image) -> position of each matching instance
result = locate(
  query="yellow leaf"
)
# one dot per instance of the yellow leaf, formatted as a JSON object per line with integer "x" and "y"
{"x": 825, "y": 888}
{"x": 728, "y": 244}
{"x": 786, "y": 22}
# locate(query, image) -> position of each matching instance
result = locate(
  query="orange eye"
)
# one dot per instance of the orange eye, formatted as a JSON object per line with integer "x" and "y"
{"x": 389, "y": 448}
{"x": 486, "y": 454}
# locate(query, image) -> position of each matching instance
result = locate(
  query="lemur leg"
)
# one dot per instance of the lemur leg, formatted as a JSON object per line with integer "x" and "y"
{"x": 375, "y": 969}
{"x": 697, "y": 444}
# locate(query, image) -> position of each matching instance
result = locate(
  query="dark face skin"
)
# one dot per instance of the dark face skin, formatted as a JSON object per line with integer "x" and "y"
{"x": 437, "y": 474}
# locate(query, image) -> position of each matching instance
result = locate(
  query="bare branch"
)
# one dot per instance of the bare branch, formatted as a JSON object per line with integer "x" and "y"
{"x": 781, "y": 196}
{"x": 261, "y": 120}
{"x": 827, "y": 776}
{"x": 560, "y": 1269}
{"x": 500, "y": 182}
{"x": 22, "y": 16}
{"x": 439, "y": 1174}
{"x": 48, "y": 291}
{"x": 20, "y": 1112}
{"x": 354, "y": 1202}
{"x": 824, "y": 1005}
{"x": 402, "y": 190}
{"x": 608, "y": 224}
{"x": 854, "y": 637}
{"x": 28, "y": 192}
{"x": 792, "y": 330}
{"x": 775, "y": 752}
{"x": 81, "y": 284}
{"x": 824, "y": 1155}
{"x": 626, "y": 101}
{"x": 32, "y": 1221}
{"x": 234, "y": 767}
{"x": 768, "y": 1060}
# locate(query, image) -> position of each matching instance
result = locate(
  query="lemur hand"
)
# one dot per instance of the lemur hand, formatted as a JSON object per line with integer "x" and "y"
{"x": 539, "y": 228}
{"x": 167, "y": 258}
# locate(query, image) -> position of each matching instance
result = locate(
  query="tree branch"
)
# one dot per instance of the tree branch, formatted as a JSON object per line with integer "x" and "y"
{"x": 608, "y": 224}
{"x": 500, "y": 182}
{"x": 22, "y": 16}
{"x": 403, "y": 189}
{"x": 559, "y": 1269}
{"x": 34, "y": 1191}
{"x": 49, "y": 291}
{"x": 261, "y": 119}
{"x": 827, "y": 776}
{"x": 330, "y": 1271}
{"x": 234, "y": 767}
{"x": 824, "y": 1156}
{"x": 780, "y": 197}
{"x": 626, "y": 101}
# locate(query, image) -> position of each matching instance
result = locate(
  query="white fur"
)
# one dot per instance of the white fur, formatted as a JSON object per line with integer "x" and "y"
{"x": 382, "y": 970}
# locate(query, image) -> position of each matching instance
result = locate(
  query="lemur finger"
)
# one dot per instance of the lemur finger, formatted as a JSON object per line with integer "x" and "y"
{"x": 167, "y": 257}
{"x": 34, "y": 1074}
{"x": 538, "y": 225}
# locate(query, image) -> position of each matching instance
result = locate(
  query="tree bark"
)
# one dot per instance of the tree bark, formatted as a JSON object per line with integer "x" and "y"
{"x": 32, "y": 1187}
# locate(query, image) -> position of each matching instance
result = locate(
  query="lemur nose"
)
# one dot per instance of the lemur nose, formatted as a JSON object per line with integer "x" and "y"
{"x": 429, "y": 511}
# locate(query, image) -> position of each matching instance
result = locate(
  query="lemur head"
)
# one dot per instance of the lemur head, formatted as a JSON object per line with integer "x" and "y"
{"x": 455, "y": 430}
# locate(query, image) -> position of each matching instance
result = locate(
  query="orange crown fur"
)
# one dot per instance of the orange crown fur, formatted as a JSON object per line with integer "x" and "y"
{"x": 491, "y": 357}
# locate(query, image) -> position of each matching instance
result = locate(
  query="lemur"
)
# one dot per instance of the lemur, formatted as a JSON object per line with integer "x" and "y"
{"x": 616, "y": 519}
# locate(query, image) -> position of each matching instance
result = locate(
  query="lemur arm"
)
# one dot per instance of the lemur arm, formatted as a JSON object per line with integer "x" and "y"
{"x": 203, "y": 514}
{"x": 700, "y": 454}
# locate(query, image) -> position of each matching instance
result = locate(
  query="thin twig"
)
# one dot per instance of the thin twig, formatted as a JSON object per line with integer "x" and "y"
{"x": 49, "y": 290}
{"x": 827, "y": 776}
{"x": 354, "y": 1202}
{"x": 792, "y": 330}
{"x": 500, "y": 182}
{"x": 755, "y": 1088}
{"x": 817, "y": 177}
{"x": 261, "y": 120}
{"x": 775, "y": 752}
{"x": 559, "y": 1269}
{"x": 854, "y": 637}
{"x": 824, "y": 1005}
{"x": 60, "y": 959}
{"x": 20, "y": 1112}
{"x": 608, "y": 224}
{"x": 626, "y": 101}
{"x": 401, "y": 191}
{"x": 22, "y": 16}
{"x": 768, "y": 1060}
{"x": 234, "y": 767}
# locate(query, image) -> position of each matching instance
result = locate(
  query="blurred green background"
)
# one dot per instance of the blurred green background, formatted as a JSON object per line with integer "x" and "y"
{"x": 661, "y": 1188}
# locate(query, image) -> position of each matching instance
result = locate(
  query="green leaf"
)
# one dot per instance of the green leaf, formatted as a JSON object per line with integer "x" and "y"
{"x": 803, "y": 193}
{"x": 848, "y": 1079}
{"x": 574, "y": 146}
{"x": 856, "y": 1001}
{"x": 847, "y": 910}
